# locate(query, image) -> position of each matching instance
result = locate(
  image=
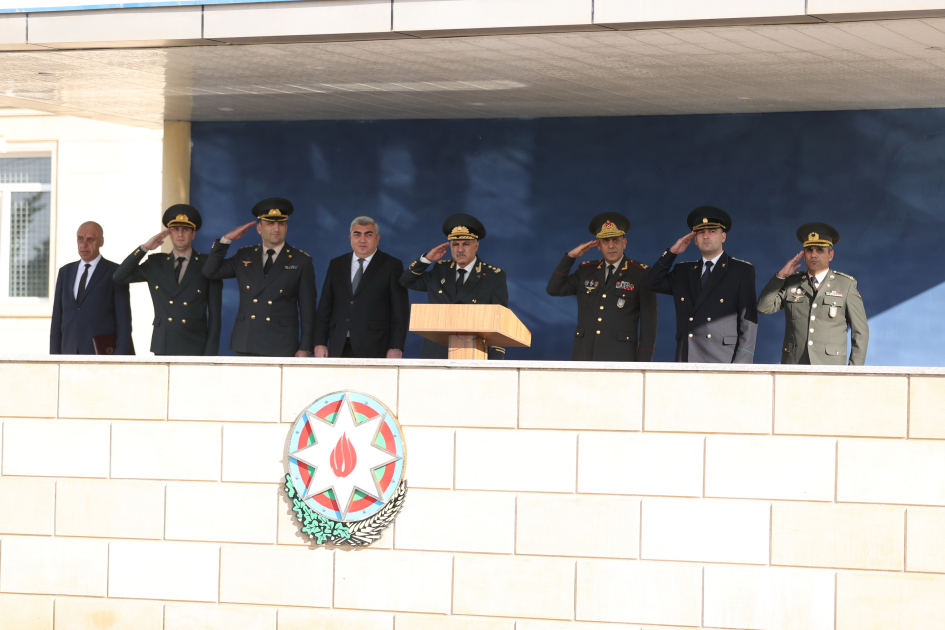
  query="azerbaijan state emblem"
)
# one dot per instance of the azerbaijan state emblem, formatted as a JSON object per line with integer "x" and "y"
{"x": 346, "y": 458}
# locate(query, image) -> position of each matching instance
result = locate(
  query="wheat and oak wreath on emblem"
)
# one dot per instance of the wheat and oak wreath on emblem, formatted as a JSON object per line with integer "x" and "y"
{"x": 346, "y": 458}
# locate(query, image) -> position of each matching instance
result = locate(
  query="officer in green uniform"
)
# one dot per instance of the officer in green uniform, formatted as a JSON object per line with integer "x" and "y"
{"x": 186, "y": 304}
{"x": 276, "y": 317}
{"x": 464, "y": 280}
{"x": 819, "y": 304}
{"x": 616, "y": 312}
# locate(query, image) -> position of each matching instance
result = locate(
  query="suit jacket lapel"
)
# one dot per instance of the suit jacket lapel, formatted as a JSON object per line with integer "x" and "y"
{"x": 720, "y": 269}
{"x": 73, "y": 272}
{"x": 96, "y": 277}
{"x": 191, "y": 272}
{"x": 277, "y": 266}
{"x": 695, "y": 273}
{"x": 371, "y": 270}
{"x": 472, "y": 282}
{"x": 449, "y": 287}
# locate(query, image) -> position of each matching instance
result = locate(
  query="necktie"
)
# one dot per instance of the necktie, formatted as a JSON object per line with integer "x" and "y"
{"x": 610, "y": 272}
{"x": 706, "y": 272}
{"x": 814, "y": 284}
{"x": 180, "y": 262}
{"x": 268, "y": 265}
{"x": 459, "y": 280}
{"x": 82, "y": 281}
{"x": 357, "y": 276}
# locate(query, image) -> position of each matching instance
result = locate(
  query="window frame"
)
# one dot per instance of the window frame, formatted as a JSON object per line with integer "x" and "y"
{"x": 26, "y": 306}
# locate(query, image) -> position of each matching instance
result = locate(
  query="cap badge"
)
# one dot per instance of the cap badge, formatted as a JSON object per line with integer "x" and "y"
{"x": 275, "y": 211}
{"x": 608, "y": 225}
{"x": 181, "y": 217}
{"x": 813, "y": 236}
{"x": 705, "y": 220}
{"x": 460, "y": 230}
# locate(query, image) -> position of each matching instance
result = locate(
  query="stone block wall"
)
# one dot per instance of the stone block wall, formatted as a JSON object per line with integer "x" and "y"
{"x": 147, "y": 494}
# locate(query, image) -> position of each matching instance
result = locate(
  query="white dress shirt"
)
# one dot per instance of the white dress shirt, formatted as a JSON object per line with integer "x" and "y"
{"x": 354, "y": 263}
{"x": 467, "y": 268}
{"x": 820, "y": 276}
{"x": 714, "y": 262}
{"x": 78, "y": 276}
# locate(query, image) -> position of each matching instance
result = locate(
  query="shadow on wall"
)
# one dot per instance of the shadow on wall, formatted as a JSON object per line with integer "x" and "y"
{"x": 877, "y": 176}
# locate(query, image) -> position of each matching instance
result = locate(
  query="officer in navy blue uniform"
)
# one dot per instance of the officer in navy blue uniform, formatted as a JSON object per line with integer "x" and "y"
{"x": 464, "y": 280}
{"x": 187, "y": 305}
{"x": 716, "y": 316}
{"x": 276, "y": 317}
{"x": 616, "y": 312}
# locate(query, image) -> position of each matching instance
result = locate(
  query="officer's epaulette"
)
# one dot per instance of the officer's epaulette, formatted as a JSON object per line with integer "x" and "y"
{"x": 840, "y": 273}
{"x": 442, "y": 262}
{"x": 741, "y": 261}
{"x": 638, "y": 264}
{"x": 301, "y": 252}
{"x": 591, "y": 262}
{"x": 495, "y": 269}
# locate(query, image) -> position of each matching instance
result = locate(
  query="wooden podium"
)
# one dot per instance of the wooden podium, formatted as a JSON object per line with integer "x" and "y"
{"x": 469, "y": 329}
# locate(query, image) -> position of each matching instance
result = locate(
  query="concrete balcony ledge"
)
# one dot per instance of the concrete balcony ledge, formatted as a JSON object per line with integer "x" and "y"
{"x": 574, "y": 366}
{"x": 347, "y": 20}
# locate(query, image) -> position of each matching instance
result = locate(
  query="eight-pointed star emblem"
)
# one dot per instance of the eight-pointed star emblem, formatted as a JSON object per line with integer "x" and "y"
{"x": 344, "y": 456}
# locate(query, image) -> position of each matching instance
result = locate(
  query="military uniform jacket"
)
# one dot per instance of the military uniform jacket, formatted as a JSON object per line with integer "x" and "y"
{"x": 186, "y": 315}
{"x": 376, "y": 314}
{"x": 818, "y": 323}
{"x": 485, "y": 285}
{"x": 616, "y": 319}
{"x": 273, "y": 309}
{"x": 717, "y": 323}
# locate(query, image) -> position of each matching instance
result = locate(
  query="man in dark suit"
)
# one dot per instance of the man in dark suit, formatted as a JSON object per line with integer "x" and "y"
{"x": 276, "y": 285}
{"x": 186, "y": 304}
{"x": 616, "y": 312}
{"x": 464, "y": 280}
{"x": 716, "y": 316}
{"x": 364, "y": 310}
{"x": 88, "y": 303}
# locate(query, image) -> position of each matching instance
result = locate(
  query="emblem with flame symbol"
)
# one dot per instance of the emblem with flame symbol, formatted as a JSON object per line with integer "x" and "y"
{"x": 346, "y": 458}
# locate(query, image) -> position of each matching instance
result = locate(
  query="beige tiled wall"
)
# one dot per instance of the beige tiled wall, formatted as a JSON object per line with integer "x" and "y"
{"x": 537, "y": 504}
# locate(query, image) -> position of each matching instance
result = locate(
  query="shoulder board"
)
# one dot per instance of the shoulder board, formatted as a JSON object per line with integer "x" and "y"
{"x": 442, "y": 262}
{"x": 638, "y": 264}
{"x": 840, "y": 273}
{"x": 740, "y": 260}
{"x": 495, "y": 269}
{"x": 591, "y": 262}
{"x": 301, "y": 252}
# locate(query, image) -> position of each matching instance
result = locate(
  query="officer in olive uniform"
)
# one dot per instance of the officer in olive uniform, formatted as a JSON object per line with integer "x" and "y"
{"x": 820, "y": 305}
{"x": 276, "y": 285}
{"x": 463, "y": 280}
{"x": 716, "y": 316}
{"x": 616, "y": 312}
{"x": 186, "y": 304}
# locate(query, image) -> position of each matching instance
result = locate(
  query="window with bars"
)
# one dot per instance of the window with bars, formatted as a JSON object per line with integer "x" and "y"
{"x": 25, "y": 214}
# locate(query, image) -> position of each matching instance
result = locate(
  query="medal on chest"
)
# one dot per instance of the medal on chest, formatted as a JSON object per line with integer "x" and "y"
{"x": 624, "y": 286}
{"x": 590, "y": 285}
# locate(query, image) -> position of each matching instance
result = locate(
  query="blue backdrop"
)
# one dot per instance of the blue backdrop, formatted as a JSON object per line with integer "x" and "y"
{"x": 877, "y": 176}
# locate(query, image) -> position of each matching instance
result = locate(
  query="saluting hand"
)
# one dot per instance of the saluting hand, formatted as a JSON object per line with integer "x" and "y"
{"x": 156, "y": 240}
{"x": 437, "y": 252}
{"x": 237, "y": 234}
{"x": 791, "y": 266}
{"x": 582, "y": 249}
{"x": 682, "y": 243}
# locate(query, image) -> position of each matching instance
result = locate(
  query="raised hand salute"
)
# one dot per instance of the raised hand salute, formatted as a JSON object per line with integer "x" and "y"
{"x": 681, "y": 245}
{"x": 791, "y": 266}
{"x": 156, "y": 241}
{"x": 237, "y": 234}
{"x": 582, "y": 249}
